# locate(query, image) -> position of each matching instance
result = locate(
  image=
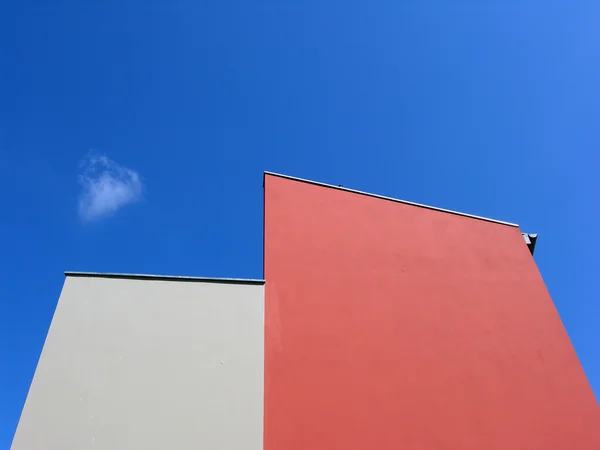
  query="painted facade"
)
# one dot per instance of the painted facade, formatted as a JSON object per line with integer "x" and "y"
{"x": 146, "y": 363}
{"x": 382, "y": 325}
{"x": 393, "y": 326}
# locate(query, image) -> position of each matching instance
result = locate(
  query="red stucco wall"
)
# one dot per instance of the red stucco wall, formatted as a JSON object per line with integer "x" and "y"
{"x": 390, "y": 326}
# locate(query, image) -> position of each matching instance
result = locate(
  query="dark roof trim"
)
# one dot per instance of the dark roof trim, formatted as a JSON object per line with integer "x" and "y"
{"x": 165, "y": 278}
{"x": 530, "y": 240}
{"x": 389, "y": 198}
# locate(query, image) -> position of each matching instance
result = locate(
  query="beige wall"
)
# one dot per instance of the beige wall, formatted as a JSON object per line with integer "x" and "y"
{"x": 149, "y": 364}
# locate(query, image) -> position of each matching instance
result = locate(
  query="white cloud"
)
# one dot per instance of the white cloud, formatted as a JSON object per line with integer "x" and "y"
{"x": 106, "y": 187}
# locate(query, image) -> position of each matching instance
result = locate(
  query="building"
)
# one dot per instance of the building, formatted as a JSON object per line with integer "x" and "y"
{"x": 382, "y": 324}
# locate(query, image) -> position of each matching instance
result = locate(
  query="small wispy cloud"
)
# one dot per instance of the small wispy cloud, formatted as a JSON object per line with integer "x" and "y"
{"x": 106, "y": 187}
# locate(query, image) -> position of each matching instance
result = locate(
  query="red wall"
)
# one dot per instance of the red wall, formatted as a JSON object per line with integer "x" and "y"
{"x": 390, "y": 326}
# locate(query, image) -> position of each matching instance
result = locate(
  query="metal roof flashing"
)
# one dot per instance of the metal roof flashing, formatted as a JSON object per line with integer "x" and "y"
{"x": 165, "y": 278}
{"x": 341, "y": 188}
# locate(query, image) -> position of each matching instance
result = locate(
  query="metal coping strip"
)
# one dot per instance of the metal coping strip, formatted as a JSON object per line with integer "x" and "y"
{"x": 137, "y": 276}
{"x": 383, "y": 197}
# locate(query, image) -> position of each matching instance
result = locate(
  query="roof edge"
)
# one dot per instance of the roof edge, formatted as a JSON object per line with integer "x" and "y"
{"x": 530, "y": 240}
{"x": 383, "y": 197}
{"x": 137, "y": 276}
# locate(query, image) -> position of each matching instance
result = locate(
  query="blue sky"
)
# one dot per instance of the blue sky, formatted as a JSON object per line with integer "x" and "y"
{"x": 133, "y": 137}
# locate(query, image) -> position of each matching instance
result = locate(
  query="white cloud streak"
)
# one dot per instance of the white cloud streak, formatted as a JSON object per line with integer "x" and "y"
{"x": 105, "y": 187}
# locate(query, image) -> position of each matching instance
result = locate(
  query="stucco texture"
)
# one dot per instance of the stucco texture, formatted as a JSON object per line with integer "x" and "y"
{"x": 391, "y": 326}
{"x": 147, "y": 364}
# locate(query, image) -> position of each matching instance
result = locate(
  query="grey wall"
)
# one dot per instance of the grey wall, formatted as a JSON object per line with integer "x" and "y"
{"x": 147, "y": 364}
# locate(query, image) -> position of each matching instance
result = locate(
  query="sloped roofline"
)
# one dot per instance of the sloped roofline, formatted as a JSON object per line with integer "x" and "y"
{"x": 138, "y": 276}
{"x": 529, "y": 239}
{"x": 383, "y": 197}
